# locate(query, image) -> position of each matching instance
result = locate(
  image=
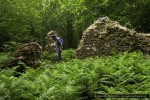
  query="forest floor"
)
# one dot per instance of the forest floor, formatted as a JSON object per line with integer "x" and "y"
{"x": 76, "y": 79}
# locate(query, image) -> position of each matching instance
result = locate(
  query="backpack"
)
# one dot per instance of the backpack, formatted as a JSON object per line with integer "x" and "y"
{"x": 61, "y": 41}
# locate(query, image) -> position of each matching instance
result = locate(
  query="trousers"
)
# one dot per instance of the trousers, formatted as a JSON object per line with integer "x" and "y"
{"x": 59, "y": 54}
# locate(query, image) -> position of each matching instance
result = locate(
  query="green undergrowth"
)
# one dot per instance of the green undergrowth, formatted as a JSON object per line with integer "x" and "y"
{"x": 79, "y": 79}
{"x": 6, "y": 56}
{"x": 51, "y": 58}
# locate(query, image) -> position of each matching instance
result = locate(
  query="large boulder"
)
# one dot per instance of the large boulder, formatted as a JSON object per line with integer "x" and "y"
{"x": 104, "y": 36}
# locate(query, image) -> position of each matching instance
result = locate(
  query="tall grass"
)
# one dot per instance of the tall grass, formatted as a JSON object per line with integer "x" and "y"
{"x": 79, "y": 79}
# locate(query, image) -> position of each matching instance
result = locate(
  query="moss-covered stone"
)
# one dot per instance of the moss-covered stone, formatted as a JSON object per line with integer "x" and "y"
{"x": 104, "y": 35}
{"x": 27, "y": 55}
{"x": 49, "y": 47}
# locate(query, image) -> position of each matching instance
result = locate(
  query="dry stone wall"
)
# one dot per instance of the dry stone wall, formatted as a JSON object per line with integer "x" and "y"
{"x": 49, "y": 42}
{"x": 28, "y": 53}
{"x": 104, "y": 36}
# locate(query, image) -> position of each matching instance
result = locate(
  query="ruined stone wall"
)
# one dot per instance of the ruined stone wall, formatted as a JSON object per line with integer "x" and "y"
{"x": 28, "y": 53}
{"x": 49, "y": 42}
{"x": 147, "y": 35}
{"x": 105, "y": 35}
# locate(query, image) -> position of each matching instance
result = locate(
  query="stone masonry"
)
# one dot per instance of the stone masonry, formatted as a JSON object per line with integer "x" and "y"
{"x": 104, "y": 36}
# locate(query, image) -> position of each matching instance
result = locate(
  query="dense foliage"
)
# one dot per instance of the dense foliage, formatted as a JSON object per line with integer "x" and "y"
{"x": 24, "y": 21}
{"x": 79, "y": 79}
{"x": 30, "y": 20}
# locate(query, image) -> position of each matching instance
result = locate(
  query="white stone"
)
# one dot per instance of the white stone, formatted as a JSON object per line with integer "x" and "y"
{"x": 94, "y": 49}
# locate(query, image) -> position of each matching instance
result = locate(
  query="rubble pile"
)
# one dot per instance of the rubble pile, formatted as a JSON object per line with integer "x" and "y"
{"x": 28, "y": 54}
{"x": 104, "y": 36}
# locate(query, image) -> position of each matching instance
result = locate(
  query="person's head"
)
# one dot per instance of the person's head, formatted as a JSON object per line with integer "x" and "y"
{"x": 54, "y": 37}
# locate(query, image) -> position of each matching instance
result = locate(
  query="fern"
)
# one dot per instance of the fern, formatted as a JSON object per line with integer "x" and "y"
{"x": 77, "y": 79}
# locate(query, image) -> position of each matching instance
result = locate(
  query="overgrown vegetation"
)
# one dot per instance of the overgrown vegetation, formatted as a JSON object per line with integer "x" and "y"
{"x": 79, "y": 79}
{"x": 30, "y": 20}
{"x": 25, "y": 21}
{"x": 67, "y": 55}
{"x": 4, "y": 57}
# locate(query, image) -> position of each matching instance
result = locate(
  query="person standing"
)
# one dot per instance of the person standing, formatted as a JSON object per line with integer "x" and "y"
{"x": 59, "y": 46}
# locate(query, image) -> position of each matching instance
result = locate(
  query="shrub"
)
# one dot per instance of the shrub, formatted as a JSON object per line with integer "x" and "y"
{"x": 3, "y": 58}
{"x": 11, "y": 46}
